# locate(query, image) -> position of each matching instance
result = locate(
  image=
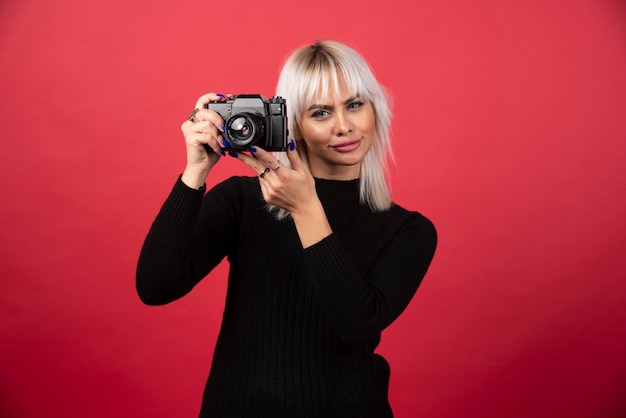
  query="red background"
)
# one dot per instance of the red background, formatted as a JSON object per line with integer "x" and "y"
{"x": 509, "y": 134}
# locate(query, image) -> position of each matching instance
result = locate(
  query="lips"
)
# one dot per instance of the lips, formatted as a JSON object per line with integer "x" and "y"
{"x": 347, "y": 146}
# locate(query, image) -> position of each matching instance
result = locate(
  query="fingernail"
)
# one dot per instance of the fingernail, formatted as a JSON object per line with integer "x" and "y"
{"x": 221, "y": 96}
{"x": 252, "y": 148}
{"x": 232, "y": 154}
{"x": 222, "y": 153}
{"x": 225, "y": 143}
{"x": 223, "y": 127}
{"x": 292, "y": 145}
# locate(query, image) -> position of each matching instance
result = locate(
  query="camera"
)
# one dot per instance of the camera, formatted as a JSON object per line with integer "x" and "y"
{"x": 252, "y": 119}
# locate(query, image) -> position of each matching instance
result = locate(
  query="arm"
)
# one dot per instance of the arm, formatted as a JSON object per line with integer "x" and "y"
{"x": 182, "y": 246}
{"x": 161, "y": 276}
{"x": 293, "y": 189}
{"x": 203, "y": 141}
{"x": 167, "y": 269}
{"x": 360, "y": 306}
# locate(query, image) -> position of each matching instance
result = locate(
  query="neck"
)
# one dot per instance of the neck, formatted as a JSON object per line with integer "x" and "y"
{"x": 337, "y": 172}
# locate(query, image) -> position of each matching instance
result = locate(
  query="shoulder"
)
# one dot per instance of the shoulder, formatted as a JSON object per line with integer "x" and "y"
{"x": 397, "y": 213}
{"x": 412, "y": 222}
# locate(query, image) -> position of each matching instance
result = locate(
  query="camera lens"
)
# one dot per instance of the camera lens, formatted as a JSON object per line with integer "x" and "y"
{"x": 244, "y": 129}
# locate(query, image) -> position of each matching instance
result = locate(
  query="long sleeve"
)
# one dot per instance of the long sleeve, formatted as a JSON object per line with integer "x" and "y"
{"x": 300, "y": 326}
{"x": 182, "y": 246}
{"x": 360, "y": 304}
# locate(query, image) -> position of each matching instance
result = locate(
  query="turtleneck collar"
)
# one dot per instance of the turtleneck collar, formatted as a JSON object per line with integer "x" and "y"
{"x": 345, "y": 188}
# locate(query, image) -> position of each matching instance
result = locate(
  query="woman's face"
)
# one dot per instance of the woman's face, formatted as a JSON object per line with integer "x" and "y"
{"x": 338, "y": 131}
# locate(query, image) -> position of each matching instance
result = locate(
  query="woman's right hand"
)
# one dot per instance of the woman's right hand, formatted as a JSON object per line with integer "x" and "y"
{"x": 202, "y": 132}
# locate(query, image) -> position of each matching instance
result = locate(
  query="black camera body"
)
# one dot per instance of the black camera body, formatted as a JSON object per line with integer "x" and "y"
{"x": 252, "y": 119}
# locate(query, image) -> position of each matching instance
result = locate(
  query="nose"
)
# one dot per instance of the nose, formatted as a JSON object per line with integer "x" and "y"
{"x": 342, "y": 124}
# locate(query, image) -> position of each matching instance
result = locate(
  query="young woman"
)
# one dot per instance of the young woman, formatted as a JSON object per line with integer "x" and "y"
{"x": 321, "y": 260}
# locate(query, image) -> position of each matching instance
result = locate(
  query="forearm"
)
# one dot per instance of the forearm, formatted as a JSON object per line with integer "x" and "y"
{"x": 195, "y": 176}
{"x": 161, "y": 275}
{"x": 362, "y": 299}
{"x": 311, "y": 224}
{"x": 348, "y": 301}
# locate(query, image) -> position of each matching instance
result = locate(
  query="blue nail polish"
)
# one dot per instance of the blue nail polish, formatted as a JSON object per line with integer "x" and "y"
{"x": 220, "y": 95}
{"x": 292, "y": 145}
{"x": 232, "y": 154}
{"x": 225, "y": 143}
{"x": 223, "y": 127}
{"x": 222, "y": 153}
{"x": 252, "y": 148}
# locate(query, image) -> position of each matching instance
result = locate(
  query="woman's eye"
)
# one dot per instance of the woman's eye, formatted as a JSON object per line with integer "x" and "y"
{"x": 320, "y": 114}
{"x": 355, "y": 105}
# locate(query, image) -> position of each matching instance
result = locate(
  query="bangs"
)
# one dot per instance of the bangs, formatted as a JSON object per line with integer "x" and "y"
{"x": 313, "y": 72}
{"x": 321, "y": 75}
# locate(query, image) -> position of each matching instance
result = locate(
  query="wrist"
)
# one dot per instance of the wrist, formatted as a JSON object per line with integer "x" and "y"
{"x": 308, "y": 211}
{"x": 194, "y": 177}
{"x": 311, "y": 223}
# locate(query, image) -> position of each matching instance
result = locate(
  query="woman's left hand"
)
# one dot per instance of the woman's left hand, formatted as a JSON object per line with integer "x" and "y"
{"x": 290, "y": 188}
{"x": 282, "y": 186}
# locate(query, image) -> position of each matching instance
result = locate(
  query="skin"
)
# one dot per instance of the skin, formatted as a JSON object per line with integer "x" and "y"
{"x": 337, "y": 130}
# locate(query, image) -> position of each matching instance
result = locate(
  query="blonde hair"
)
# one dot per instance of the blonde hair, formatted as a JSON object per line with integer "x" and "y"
{"x": 311, "y": 71}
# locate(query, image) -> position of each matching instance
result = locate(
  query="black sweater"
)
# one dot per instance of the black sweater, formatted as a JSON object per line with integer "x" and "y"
{"x": 300, "y": 325}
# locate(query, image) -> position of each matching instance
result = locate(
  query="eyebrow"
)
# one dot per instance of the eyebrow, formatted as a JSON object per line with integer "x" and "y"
{"x": 324, "y": 107}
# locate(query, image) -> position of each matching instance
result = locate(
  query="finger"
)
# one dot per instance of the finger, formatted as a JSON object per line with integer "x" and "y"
{"x": 205, "y": 133}
{"x": 213, "y": 142}
{"x": 192, "y": 115}
{"x": 294, "y": 158}
{"x": 199, "y": 105}
{"x": 201, "y": 127}
{"x": 186, "y": 124}
{"x": 204, "y": 121}
{"x": 268, "y": 159}
{"x": 202, "y": 133}
{"x": 251, "y": 162}
{"x": 209, "y": 97}
{"x": 201, "y": 112}
{"x": 206, "y": 115}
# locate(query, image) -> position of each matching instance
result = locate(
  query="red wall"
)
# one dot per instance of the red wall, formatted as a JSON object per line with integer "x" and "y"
{"x": 509, "y": 134}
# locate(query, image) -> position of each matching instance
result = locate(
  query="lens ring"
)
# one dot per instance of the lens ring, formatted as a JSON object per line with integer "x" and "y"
{"x": 244, "y": 129}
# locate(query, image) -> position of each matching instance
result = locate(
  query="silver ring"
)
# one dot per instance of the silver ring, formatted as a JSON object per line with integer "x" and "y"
{"x": 192, "y": 115}
{"x": 277, "y": 166}
{"x": 267, "y": 170}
